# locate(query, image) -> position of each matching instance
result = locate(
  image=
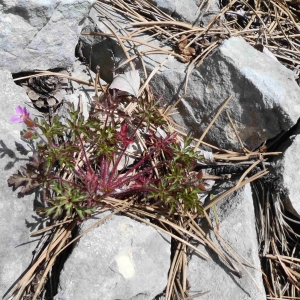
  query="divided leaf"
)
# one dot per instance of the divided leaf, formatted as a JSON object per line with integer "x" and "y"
{"x": 17, "y": 180}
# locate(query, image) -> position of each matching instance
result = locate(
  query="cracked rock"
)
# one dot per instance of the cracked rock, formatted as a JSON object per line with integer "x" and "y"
{"x": 121, "y": 259}
{"x": 40, "y": 35}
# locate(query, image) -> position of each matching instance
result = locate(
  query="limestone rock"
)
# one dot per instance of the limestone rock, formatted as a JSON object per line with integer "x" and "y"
{"x": 167, "y": 6}
{"x": 266, "y": 97}
{"x": 40, "y": 34}
{"x": 17, "y": 217}
{"x": 187, "y": 11}
{"x": 120, "y": 259}
{"x": 102, "y": 51}
{"x": 287, "y": 168}
{"x": 237, "y": 228}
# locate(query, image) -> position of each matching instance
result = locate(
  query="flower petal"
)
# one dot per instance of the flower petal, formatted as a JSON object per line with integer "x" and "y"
{"x": 25, "y": 112}
{"x": 19, "y": 110}
{"x": 15, "y": 119}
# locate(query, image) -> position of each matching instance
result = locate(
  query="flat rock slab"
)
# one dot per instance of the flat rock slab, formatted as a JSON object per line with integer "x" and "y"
{"x": 40, "y": 35}
{"x": 17, "y": 217}
{"x": 237, "y": 228}
{"x": 120, "y": 259}
{"x": 287, "y": 167}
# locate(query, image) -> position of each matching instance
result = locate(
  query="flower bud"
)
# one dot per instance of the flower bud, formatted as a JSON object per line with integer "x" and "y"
{"x": 28, "y": 134}
{"x": 29, "y": 122}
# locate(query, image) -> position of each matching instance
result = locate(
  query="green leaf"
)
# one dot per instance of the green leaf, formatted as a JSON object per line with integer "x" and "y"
{"x": 58, "y": 212}
{"x": 89, "y": 211}
{"x": 79, "y": 198}
{"x": 69, "y": 208}
{"x": 50, "y": 210}
{"x": 57, "y": 188}
{"x": 80, "y": 213}
{"x": 61, "y": 198}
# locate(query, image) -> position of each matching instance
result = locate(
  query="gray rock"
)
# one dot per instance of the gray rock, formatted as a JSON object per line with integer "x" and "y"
{"x": 40, "y": 34}
{"x": 287, "y": 168}
{"x": 120, "y": 259}
{"x": 108, "y": 54}
{"x": 80, "y": 91}
{"x": 187, "y": 11}
{"x": 266, "y": 98}
{"x": 237, "y": 228}
{"x": 17, "y": 217}
{"x": 167, "y": 6}
{"x": 111, "y": 53}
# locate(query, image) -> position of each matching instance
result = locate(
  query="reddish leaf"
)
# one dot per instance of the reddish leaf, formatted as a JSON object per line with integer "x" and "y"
{"x": 122, "y": 135}
{"x": 200, "y": 175}
{"x": 28, "y": 135}
{"x": 16, "y": 180}
{"x": 201, "y": 187}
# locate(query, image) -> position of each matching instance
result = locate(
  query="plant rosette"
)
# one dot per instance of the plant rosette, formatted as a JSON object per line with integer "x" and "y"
{"x": 78, "y": 163}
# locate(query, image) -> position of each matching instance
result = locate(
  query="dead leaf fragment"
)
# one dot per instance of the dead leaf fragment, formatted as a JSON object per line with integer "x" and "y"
{"x": 128, "y": 82}
{"x": 187, "y": 53}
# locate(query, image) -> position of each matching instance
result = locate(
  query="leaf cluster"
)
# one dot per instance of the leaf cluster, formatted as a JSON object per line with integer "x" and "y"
{"x": 79, "y": 163}
{"x": 179, "y": 186}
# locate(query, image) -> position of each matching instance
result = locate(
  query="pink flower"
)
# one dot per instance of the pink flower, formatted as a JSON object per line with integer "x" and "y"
{"x": 22, "y": 116}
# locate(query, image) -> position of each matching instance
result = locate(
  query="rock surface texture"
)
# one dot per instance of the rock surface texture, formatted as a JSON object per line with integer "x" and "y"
{"x": 187, "y": 11}
{"x": 287, "y": 168}
{"x": 266, "y": 98}
{"x": 265, "y": 95}
{"x": 17, "y": 218}
{"x": 237, "y": 228}
{"x": 40, "y": 34}
{"x": 123, "y": 259}
{"x": 120, "y": 259}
